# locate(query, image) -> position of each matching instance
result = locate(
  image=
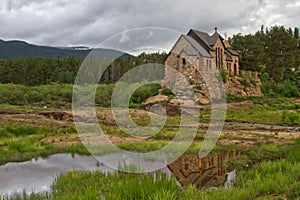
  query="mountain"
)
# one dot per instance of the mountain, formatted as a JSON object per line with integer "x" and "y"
{"x": 21, "y": 49}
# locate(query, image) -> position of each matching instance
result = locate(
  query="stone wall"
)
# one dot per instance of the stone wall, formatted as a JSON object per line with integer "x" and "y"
{"x": 205, "y": 83}
{"x": 228, "y": 65}
{"x": 204, "y": 79}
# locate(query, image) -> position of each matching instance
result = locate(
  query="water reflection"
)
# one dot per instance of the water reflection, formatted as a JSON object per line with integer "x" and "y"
{"x": 203, "y": 172}
{"x": 37, "y": 175}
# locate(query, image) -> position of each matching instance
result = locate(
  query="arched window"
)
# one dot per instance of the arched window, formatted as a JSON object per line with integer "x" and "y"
{"x": 222, "y": 58}
{"x": 198, "y": 63}
{"x": 183, "y": 62}
{"x": 217, "y": 56}
{"x": 178, "y": 62}
{"x": 235, "y": 69}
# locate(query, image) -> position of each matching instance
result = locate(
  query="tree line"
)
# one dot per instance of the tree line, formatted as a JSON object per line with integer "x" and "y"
{"x": 41, "y": 71}
{"x": 275, "y": 51}
{"x": 38, "y": 71}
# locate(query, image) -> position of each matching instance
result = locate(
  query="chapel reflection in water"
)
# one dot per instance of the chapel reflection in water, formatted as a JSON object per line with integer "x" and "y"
{"x": 203, "y": 172}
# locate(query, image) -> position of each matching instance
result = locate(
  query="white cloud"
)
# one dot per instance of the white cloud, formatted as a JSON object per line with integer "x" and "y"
{"x": 293, "y": 4}
{"x": 124, "y": 37}
{"x": 74, "y": 22}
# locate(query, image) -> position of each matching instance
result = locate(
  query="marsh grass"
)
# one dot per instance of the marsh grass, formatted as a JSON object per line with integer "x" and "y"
{"x": 144, "y": 146}
{"x": 96, "y": 185}
{"x": 267, "y": 180}
{"x": 24, "y": 142}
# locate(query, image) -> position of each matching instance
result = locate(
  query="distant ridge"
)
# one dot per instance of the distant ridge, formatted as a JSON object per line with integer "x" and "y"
{"x": 20, "y": 49}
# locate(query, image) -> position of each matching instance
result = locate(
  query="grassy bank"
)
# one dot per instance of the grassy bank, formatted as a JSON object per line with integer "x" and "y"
{"x": 23, "y": 142}
{"x": 267, "y": 180}
{"x": 264, "y": 110}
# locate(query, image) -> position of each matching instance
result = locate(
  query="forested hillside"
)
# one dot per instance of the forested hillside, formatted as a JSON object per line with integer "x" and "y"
{"x": 20, "y": 49}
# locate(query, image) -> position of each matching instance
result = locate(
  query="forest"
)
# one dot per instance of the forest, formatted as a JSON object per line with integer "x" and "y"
{"x": 274, "y": 51}
{"x": 41, "y": 71}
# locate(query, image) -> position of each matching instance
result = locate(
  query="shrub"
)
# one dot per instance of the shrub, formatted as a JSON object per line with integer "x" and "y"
{"x": 265, "y": 77}
{"x": 168, "y": 92}
{"x": 246, "y": 80}
{"x": 144, "y": 92}
{"x": 284, "y": 89}
{"x": 103, "y": 94}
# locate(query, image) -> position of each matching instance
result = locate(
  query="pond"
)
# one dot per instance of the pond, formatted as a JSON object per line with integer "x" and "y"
{"x": 37, "y": 175}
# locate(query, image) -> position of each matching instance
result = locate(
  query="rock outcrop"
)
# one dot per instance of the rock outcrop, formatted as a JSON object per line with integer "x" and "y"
{"x": 244, "y": 87}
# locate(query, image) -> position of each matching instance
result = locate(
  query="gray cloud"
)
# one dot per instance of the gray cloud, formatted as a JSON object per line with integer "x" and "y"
{"x": 80, "y": 22}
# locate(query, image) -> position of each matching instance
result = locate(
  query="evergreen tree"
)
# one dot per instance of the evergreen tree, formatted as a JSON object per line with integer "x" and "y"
{"x": 276, "y": 49}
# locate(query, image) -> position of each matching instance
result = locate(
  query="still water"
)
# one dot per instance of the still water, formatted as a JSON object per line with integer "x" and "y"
{"x": 37, "y": 175}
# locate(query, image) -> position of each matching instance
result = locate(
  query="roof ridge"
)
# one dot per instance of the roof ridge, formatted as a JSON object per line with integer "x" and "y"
{"x": 201, "y": 32}
{"x": 202, "y": 36}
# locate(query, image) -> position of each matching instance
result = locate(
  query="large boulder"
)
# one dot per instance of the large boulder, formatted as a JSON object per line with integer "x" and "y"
{"x": 156, "y": 99}
{"x": 189, "y": 103}
{"x": 175, "y": 102}
{"x": 203, "y": 101}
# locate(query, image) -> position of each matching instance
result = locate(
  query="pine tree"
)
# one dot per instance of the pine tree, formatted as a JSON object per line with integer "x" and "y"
{"x": 298, "y": 80}
{"x": 281, "y": 47}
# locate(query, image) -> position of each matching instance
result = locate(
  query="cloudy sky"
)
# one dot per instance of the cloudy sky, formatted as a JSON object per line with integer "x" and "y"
{"x": 88, "y": 22}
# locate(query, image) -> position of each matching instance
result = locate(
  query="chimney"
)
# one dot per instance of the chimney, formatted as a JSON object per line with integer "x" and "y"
{"x": 216, "y": 29}
{"x": 226, "y": 42}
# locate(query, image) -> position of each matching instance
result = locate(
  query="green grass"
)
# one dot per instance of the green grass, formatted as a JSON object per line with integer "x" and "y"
{"x": 52, "y": 95}
{"x": 24, "y": 142}
{"x": 254, "y": 114}
{"x": 264, "y": 115}
{"x": 278, "y": 102}
{"x": 282, "y": 111}
{"x": 60, "y": 95}
{"x": 267, "y": 180}
{"x": 145, "y": 146}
